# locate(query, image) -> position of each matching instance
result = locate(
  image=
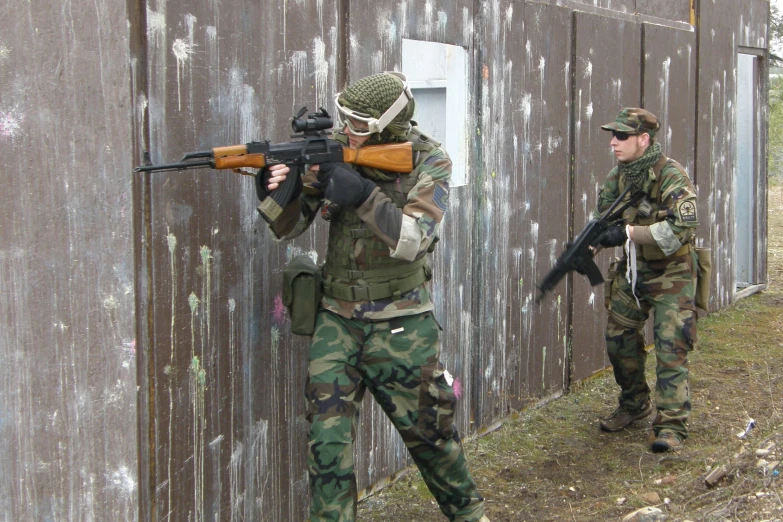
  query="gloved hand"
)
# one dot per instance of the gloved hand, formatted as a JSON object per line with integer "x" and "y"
{"x": 344, "y": 186}
{"x": 612, "y": 236}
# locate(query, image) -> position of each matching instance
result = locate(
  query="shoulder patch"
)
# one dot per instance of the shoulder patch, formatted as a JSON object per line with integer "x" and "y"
{"x": 441, "y": 197}
{"x": 687, "y": 211}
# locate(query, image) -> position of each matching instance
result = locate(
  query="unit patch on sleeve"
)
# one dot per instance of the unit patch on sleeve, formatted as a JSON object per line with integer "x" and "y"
{"x": 441, "y": 197}
{"x": 687, "y": 211}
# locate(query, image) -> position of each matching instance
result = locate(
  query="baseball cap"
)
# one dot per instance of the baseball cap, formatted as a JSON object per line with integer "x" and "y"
{"x": 634, "y": 121}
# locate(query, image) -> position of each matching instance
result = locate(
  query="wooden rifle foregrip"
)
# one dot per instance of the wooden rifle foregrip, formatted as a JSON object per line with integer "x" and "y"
{"x": 254, "y": 161}
{"x": 395, "y": 157}
{"x": 229, "y": 150}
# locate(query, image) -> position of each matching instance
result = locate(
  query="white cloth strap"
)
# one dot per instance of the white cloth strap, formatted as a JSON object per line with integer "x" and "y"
{"x": 392, "y": 112}
{"x": 630, "y": 271}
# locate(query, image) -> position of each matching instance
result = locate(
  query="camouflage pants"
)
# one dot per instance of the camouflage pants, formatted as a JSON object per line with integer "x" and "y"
{"x": 398, "y": 361}
{"x": 667, "y": 287}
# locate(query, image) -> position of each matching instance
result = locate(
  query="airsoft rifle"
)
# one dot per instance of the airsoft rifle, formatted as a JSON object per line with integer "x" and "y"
{"x": 310, "y": 145}
{"x": 579, "y": 253}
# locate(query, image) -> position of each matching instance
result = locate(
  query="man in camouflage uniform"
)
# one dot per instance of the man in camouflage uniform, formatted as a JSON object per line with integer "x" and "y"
{"x": 376, "y": 327}
{"x": 657, "y": 272}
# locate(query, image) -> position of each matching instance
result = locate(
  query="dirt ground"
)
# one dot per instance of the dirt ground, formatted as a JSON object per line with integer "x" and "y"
{"x": 553, "y": 463}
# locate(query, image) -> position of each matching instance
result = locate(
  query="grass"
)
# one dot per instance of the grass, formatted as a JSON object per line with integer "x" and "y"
{"x": 553, "y": 463}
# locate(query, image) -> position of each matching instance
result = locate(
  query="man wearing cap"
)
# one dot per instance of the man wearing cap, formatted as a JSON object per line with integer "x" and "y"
{"x": 657, "y": 272}
{"x": 375, "y": 328}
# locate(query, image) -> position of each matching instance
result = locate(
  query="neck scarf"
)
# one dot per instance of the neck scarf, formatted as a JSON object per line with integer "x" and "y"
{"x": 636, "y": 172}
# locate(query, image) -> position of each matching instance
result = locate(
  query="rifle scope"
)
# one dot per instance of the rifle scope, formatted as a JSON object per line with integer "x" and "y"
{"x": 314, "y": 122}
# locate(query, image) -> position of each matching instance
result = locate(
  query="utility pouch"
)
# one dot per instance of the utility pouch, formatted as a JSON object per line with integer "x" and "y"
{"x": 652, "y": 253}
{"x": 610, "y": 275}
{"x": 302, "y": 293}
{"x": 704, "y": 259}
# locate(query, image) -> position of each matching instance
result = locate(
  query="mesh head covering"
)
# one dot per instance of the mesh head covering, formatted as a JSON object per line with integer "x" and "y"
{"x": 372, "y": 96}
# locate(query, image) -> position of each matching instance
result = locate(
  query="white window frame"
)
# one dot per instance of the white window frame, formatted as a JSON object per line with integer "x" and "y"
{"x": 432, "y": 65}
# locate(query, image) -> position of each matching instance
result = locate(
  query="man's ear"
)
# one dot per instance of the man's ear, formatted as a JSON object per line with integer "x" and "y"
{"x": 645, "y": 139}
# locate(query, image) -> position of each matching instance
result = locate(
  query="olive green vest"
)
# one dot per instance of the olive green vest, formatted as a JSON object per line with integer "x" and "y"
{"x": 383, "y": 276}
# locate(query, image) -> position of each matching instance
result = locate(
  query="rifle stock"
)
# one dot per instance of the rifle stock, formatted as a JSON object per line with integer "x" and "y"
{"x": 396, "y": 157}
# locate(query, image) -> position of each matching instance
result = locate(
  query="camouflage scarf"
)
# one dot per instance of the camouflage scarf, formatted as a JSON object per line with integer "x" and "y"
{"x": 374, "y": 94}
{"x": 636, "y": 172}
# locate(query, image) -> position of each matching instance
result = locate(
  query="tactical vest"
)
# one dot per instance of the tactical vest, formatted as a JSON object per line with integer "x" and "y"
{"x": 656, "y": 213}
{"x": 383, "y": 276}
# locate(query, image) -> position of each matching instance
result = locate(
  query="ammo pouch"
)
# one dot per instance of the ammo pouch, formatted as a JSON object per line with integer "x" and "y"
{"x": 302, "y": 293}
{"x": 610, "y": 275}
{"x": 704, "y": 259}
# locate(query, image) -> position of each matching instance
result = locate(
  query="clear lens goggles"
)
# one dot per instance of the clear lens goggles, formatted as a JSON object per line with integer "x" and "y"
{"x": 361, "y": 124}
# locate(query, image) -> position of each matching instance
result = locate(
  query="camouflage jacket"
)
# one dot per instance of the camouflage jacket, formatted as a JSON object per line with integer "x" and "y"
{"x": 396, "y": 226}
{"x": 666, "y": 215}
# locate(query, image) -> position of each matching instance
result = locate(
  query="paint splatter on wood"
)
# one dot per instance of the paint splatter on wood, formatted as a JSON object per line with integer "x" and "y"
{"x": 10, "y": 123}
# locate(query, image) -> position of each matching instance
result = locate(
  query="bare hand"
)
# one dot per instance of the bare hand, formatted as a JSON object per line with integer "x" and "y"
{"x": 277, "y": 175}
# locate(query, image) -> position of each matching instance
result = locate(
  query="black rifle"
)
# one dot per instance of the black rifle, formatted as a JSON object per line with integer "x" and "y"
{"x": 579, "y": 253}
{"x": 311, "y": 146}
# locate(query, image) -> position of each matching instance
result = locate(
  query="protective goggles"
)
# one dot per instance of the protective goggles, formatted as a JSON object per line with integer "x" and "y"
{"x": 368, "y": 124}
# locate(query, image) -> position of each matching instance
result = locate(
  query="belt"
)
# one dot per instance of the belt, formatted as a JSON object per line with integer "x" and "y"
{"x": 372, "y": 292}
{"x": 397, "y": 269}
{"x": 657, "y": 255}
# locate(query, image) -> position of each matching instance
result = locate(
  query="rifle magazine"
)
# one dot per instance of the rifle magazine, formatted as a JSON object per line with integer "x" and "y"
{"x": 270, "y": 210}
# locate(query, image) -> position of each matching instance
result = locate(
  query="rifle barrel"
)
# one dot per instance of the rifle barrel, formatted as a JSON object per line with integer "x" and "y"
{"x": 197, "y": 154}
{"x": 183, "y": 165}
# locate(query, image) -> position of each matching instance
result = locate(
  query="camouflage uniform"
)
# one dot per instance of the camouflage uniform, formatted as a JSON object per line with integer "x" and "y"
{"x": 376, "y": 330}
{"x": 664, "y": 227}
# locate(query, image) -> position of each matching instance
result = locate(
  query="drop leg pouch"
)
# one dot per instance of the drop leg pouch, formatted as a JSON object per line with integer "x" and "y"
{"x": 610, "y": 275}
{"x": 704, "y": 258}
{"x": 302, "y": 293}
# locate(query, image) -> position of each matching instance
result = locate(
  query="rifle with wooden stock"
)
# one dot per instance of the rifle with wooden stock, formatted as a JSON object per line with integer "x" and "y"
{"x": 310, "y": 145}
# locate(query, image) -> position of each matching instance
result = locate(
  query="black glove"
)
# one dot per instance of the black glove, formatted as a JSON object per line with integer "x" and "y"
{"x": 344, "y": 186}
{"x": 612, "y": 236}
